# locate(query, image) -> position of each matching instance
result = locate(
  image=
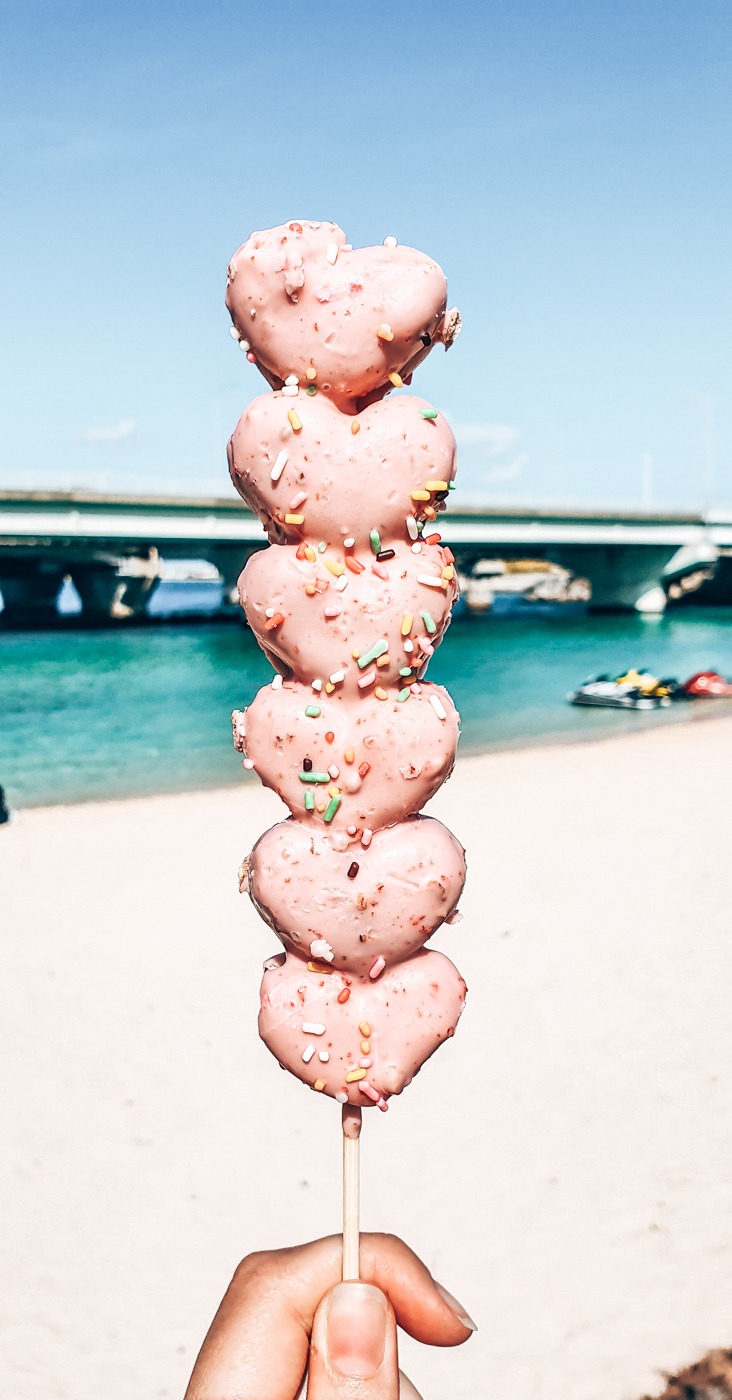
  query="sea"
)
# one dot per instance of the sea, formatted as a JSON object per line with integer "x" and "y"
{"x": 128, "y": 711}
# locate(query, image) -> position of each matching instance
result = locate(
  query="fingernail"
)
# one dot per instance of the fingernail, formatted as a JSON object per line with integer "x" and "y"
{"x": 457, "y": 1308}
{"x": 356, "y": 1330}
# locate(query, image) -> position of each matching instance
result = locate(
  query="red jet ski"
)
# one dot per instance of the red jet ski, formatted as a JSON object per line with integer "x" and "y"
{"x": 709, "y": 685}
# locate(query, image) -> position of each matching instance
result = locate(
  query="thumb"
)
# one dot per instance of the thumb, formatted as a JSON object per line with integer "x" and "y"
{"x": 353, "y": 1347}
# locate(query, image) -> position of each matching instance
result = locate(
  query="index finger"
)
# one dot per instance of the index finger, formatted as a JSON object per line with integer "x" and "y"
{"x": 257, "y": 1345}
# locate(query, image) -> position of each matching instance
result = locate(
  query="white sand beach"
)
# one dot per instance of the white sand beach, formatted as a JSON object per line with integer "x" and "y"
{"x": 563, "y": 1165}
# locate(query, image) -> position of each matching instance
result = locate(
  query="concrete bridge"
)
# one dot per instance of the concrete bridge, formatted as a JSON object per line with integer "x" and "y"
{"x": 110, "y": 545}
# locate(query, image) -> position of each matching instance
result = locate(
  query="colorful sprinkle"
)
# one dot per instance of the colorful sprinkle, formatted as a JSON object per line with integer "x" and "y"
{"x": 353, "y": 870}
{"x": 337, "y": 677}
{"x": 292, "y": 519}
{"x": 379, "y": 570}
{"x": 385, "y": 554}
{"x": 308, "y": 776}
{"x": 349, "y": 543}
{"x": 319, "y": 1086}
{"x": 343, "y": 995}
{"x": 384, "y": 331}
{"x": 349, "y": 756}
{"x": 312, "y": 711}
{"x": 308, "y": 1053}
{"x": 331, "y": 809}
{"x": 431, "y": 580}
{"x": 294, "y": 419}
{"x": 384, "y": 660}
{"x": 279, "y": 466}
{"x": 403, "y": 695}
{"x": 375, "y": 541}
{"x": 321, "y": 546}
{"x": 334, "y": 566}
{"x": 313, "y": 1028}
{"x": 365, "y": 1047}
{"x": 354, "y": 1075}
{"x": 420, "y": 495}
{"x": 428, "y": 412}
{"x": 405, "y": 670}
{"x": 324, "y": 1056}
{"x": 411, "y": 525}
{"x": 448, "y": 572}
{"x": 331, "y": 612}
{"x": 396, "y": 379}
{"x": 366, "y": 837}
{"x": 309, "y": 801}
{"x": 406, "y": 626}
{"x": 363, "y": 769}
{"x": 364, "y": 1028}
{"x": 355, "y": 427}
{"x": 331, "y": 252}
{"x": 438, "y": 707}
{"x": 429, "y": 622}
{"x": 377, "y": 649}
{"x": 329, "y": 736}
{"x": 365, "y": 681}
{"x": 311, "y": 373}
{"x": 380, "y": 693}
{"x": 277, "y": 682}
{"x": 355, "y": 565}
{"x": 436, "y": 486}
{"x": 275, "y": 620}
{"x": 377, "y": 969}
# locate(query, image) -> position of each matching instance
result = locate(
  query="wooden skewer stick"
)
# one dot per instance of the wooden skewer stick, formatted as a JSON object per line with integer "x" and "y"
{"x": 351, "y": 1190}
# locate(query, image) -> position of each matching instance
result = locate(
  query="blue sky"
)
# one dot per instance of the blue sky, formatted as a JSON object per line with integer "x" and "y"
{"x": 567, "y": 163}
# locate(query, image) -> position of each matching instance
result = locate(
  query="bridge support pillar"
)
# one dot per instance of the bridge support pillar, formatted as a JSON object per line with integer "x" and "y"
{"x": 30, "y": 588}
{"x": 230, "y": 561}
{"x": 115, "y": 590}
{"x": 623, "y": 578}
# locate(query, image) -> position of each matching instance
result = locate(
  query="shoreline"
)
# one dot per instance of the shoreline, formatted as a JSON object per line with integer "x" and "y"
{"x": 650, "y": 722}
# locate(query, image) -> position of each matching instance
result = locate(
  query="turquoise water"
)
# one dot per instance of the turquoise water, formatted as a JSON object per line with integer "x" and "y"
{"x": 95, "y": 714}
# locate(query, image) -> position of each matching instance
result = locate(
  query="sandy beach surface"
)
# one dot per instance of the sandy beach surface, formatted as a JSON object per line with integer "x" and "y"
{"x": 563, "y": 1165}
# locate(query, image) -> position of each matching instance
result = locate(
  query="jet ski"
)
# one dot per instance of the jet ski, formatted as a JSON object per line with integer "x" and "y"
{"x": 633, "y": 690}
{"x": 707, "y": 685}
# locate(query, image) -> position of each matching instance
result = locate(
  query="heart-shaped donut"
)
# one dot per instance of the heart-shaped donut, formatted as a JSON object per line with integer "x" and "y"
{"x": 352, "y": 910}
{"x": 345, "y": 475}
{"x": 342, "y": 318}
{"x": 359, "y": 1042}
{"x": 349, "y": 766}
{"x": 311, "y": 626}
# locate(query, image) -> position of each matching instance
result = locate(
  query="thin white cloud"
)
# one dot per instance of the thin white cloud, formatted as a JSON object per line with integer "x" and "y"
{"x": 116, "y": 432}
{"x": 496, "y": 450}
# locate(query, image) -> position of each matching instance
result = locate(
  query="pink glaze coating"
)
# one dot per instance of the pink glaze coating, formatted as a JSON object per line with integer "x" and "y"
{"x": 351, "y": 907}
{"x": 354, "y": 481}
{"x": 320, "y": 630}
{"x": 299, "y": 310}
{"x": 407, "y": 750}
{"x": 350, "y": 607}
{"x": 411, "y": 1009}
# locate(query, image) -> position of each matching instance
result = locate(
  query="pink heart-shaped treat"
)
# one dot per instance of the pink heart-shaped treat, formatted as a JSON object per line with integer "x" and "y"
{"x": 355, "y": 912}
{"x": 349, "y": 765}
{"x": 346, "y": 476}
{"x": 359, "y": 1041}
{"x": 344, "y": 319}
{"x": 310, "y": 625}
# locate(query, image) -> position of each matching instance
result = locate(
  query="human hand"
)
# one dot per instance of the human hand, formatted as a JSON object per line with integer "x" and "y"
{"x": 286, "y": 1315}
